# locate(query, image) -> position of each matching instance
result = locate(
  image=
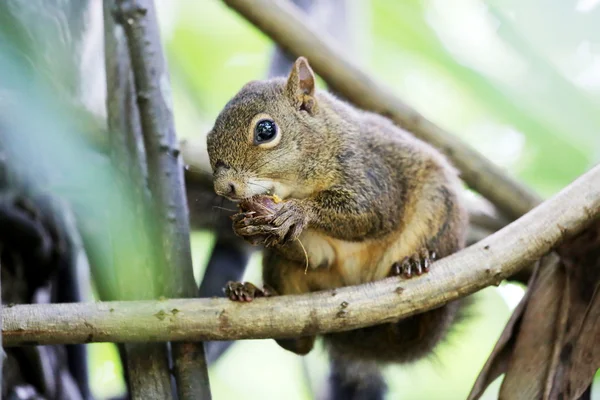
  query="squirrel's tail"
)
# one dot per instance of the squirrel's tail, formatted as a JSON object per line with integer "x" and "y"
{"x": 404, "y": 341}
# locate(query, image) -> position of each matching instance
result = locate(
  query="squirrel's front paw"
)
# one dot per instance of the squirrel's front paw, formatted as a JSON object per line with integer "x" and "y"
{"x": 245, "y": 291}
{"x": 284, "y": 226}
{"x": 417, "y": 264}
{"x": 288, "y": 223}
{"x": 254, "y": 230}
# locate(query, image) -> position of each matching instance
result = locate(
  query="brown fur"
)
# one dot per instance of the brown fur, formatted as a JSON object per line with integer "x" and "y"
{"x": 371, "y": 193}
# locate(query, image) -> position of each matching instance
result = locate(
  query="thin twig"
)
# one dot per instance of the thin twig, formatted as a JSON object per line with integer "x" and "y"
{"x": 486, "y": 263}
{"x": 283, "y": 22}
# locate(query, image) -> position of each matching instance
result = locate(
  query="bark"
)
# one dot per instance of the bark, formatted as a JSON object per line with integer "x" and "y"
{"x": 148, "y": 371}
{"x": 190, "y": 364}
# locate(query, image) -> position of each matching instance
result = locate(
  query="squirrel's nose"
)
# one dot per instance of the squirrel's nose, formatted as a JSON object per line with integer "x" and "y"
{"x": 227, "y": 188}
{"x": 232, "y": 189}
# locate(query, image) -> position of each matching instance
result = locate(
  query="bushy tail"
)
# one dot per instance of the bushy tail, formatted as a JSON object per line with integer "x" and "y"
{"x": 353, "y": 381}
{"x": 400, "y": 342}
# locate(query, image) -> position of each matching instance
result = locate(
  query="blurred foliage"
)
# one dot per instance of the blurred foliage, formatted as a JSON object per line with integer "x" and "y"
{"x": 519, "y": 80}
{"x": 52, "y": 144}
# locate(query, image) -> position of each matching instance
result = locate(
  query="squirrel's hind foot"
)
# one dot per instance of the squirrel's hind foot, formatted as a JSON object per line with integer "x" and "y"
{"x": 246, "y": 291}
{"x": 417, "y": 264}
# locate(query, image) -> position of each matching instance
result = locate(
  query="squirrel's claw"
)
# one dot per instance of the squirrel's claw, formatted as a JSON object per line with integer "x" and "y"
{"x": 249, "y": 227}
{"x": 284, "y": 218}
{"x": 245, "y": 291}
{"x": 417, "y": 264}
{"x": 253, "y": 221}
{"x": 268, "y": 291}
{"x": 290, "y": 221}
{"x": 236, "y": 218}
{"x": 251, "y": 230}
{"x": 425, "y": 260}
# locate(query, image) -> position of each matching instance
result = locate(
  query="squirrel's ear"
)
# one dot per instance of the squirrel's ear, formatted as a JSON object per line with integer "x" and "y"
{"x": 300, "y": 86}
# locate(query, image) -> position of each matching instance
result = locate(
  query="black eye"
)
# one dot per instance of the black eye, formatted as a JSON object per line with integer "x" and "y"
{"x": 265, "y": 131}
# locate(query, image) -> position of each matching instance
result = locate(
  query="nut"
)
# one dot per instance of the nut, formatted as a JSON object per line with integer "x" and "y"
{"x": 261, "y": 205}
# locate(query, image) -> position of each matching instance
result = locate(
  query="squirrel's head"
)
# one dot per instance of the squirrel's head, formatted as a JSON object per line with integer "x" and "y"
{"x": 260, "y": 141}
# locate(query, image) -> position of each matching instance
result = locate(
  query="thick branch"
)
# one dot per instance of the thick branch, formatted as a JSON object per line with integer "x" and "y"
{"x": 485, "y": 263}
{"x": 283, "y": 22}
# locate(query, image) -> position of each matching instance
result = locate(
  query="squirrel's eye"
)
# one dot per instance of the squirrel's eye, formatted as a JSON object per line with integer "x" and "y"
{"x": 265, "y": 131}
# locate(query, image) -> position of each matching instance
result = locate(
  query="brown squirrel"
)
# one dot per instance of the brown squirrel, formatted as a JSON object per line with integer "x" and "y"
{"x": 362, "y": 200}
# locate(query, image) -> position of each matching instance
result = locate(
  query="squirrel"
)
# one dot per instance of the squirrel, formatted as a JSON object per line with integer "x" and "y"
{"x": 357, "y": 199}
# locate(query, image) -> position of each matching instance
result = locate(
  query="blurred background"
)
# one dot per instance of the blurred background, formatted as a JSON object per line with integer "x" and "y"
{"x": 519, "y": 80}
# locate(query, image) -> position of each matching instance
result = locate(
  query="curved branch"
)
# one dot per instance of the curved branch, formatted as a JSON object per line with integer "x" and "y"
{"x": 283, "y": 22}
{"x": 485, "y": 263}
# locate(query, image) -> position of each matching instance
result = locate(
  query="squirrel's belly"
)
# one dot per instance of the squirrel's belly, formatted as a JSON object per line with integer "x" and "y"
{"x": 353, "y": 262}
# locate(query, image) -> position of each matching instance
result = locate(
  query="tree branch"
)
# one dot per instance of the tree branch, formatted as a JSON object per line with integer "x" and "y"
{"x": 147, "y": 368}
{"x": 189, "y": 358}
{"x": 165, "y": 172}
{"x": 148, "y": 371}
{"x": 282, "y": 21}
{"x": 165, "y": 168}
{"x": 486, "y": 263}
{"x": 484, "y": 215}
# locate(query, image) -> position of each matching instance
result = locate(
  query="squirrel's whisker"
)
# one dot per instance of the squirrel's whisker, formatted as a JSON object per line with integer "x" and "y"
{"x": 265, "y": 162}
{"x": 219, "y": 207}
{"x": 305, "y": 255}
{"x": 259, "y": 185}
{"x": 223, "y": 208}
